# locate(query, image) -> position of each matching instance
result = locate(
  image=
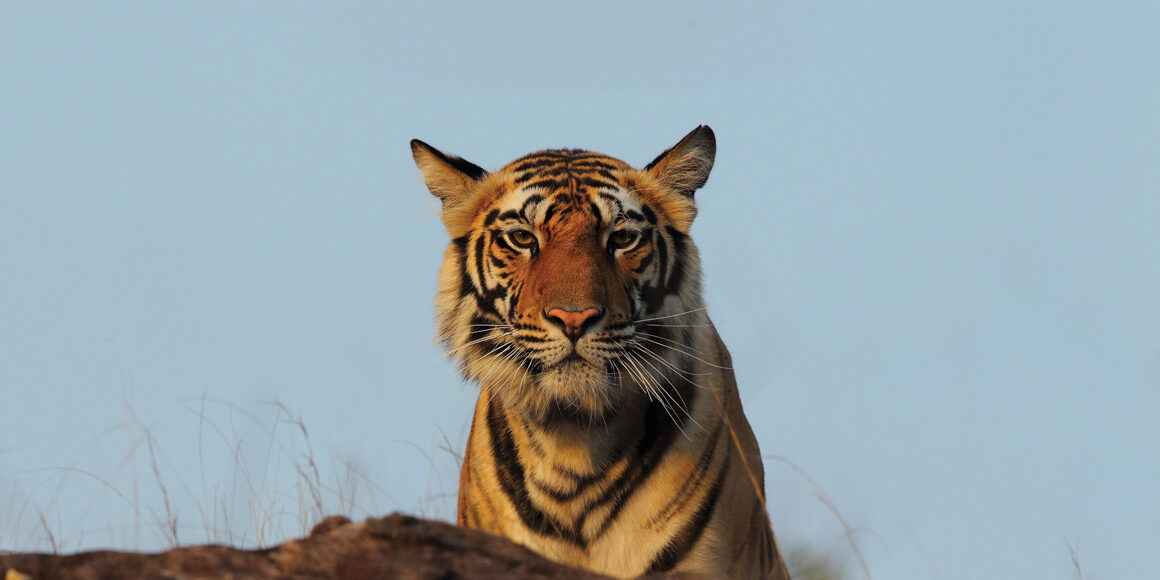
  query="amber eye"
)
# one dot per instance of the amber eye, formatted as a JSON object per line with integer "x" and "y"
{"x": 623, "y": 239}
{"x": 522, "y": 239}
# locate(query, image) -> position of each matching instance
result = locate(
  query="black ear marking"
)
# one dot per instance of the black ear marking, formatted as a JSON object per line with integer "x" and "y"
{"x": 685, "y": 166}
{"x": 462, "y": 165}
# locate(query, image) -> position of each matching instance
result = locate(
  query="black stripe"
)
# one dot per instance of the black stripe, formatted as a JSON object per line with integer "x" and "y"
{"x": 685, "y": 539}
{"x": 590, "y": 181}
{"x": 512, "y": 482}
{"x": 606, "y": 174}
{"x": 548, "y": 183}
{"x": 535, "y": 160}
{"x": 513, "y": 304}
{"x": 561, "y": 495}
{"x": 481, "y": 325}
{"x": 693, "y": 482}
{"x": 543, "y": 173}
{"x": 662, "y": 259}
{"x": 595, "y": 209}
{"x": 532, "y": 442}
{"x": 474, "y": 513}
{"x": 678, "y": 239}
{"x": 592, "y": 163}
{"x": 465, "y": 286}
{"x": 659, "y": 432}
{"x": 501, "y": 241}
{"x": 558, "y": 204}
{"x": 644, "y": 263}
{"x": 460, "y": 243}
{"x": 480, "y": 244}
{"x": 677, "y": 277}
{"x": 532, "y": 200}
{"x": 612, "y": 199}
{"x": 649, "y": 215}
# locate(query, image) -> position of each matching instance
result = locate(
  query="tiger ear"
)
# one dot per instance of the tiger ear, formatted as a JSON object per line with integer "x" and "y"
{"x": 447, "y": 176}
{"x": 685, "y": 167}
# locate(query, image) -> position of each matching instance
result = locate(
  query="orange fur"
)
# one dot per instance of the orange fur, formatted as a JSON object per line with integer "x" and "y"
{"x": 609, "y": 433}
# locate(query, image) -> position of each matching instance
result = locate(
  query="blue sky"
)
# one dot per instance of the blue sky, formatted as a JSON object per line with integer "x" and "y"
{"x": 931, "y": 241}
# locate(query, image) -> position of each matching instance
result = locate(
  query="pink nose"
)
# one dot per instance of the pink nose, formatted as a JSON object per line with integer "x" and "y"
{"x": 574, "y": 322}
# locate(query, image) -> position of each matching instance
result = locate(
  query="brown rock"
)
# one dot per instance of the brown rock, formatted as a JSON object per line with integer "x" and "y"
{"x": 397, "y": 546}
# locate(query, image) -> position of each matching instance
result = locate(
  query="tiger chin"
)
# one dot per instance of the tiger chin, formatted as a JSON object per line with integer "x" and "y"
{"x": 608, "y": 434}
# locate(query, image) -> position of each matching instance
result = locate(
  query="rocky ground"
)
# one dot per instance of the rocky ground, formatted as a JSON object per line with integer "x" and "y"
{"x": 397, "y": 546}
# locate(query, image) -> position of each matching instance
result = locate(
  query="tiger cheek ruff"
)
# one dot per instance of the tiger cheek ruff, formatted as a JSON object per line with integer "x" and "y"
{"x": 608, "y": 434}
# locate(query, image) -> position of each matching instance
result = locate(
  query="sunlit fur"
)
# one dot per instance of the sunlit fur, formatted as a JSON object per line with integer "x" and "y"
{"x": 623, "y": 448}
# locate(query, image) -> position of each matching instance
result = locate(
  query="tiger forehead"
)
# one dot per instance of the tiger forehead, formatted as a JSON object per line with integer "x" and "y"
{"x": 563, "y": 187}
{"x": 571, "y": 168}
{"x": 578, "y": 206}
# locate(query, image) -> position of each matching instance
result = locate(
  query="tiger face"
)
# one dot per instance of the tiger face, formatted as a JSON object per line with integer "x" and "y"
{"x": 559, "y": 264}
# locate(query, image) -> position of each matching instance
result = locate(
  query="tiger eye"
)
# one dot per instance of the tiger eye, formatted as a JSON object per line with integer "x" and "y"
{"x": 522, "y": 238}
{"x": 622, "y": 239}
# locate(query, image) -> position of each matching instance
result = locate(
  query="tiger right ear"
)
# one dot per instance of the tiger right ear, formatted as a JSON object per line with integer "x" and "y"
{"x": 685, "y": 167}
{"x": 447, "y": 176}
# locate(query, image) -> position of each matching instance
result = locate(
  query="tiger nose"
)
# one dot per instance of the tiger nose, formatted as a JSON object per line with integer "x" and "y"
{"x": 574, "y": 322}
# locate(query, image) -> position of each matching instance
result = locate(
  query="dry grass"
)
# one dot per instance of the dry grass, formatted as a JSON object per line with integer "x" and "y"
{"x": 830, "y": 569}
{"x": 264, "y": 492}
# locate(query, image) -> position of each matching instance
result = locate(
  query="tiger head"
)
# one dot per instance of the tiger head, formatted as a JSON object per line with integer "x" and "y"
{"x": 570, "y": 276}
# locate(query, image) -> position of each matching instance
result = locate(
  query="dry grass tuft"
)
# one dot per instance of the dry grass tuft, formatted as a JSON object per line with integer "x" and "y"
{"x": 283, "y": 499}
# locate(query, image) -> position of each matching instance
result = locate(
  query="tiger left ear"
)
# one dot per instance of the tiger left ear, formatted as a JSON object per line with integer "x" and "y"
{"x": 685, "y": 167}
{"x": 449, "y": 177}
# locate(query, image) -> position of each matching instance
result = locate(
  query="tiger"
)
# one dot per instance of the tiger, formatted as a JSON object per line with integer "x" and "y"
{"x": 608, "y": 434}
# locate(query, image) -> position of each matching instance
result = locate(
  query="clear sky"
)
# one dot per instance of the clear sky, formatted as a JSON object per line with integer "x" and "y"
{"x": 931, "y": 240}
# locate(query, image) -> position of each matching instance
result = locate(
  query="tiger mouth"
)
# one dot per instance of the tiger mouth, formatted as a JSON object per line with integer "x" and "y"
{"x": 573, "y": 357}
{"x": 571, "y": 364}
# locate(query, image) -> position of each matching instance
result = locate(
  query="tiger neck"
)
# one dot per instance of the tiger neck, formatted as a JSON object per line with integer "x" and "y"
{"x": 587, "y": 447}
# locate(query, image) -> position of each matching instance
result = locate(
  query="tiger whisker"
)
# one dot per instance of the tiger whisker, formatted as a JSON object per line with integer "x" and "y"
{"x": 684, "y": 352}
{"x": 679, "y": 404}
{"x": 656, "y": 391}
{"x": 443, "y": 384}
{"x": 451, "y": 352}
{"x": 493, "y": 351}
{"x": 497, "y": 364}
{"x": 672, "y": 315}
{"x": 515, "y": 364}
{"x": 438, "y": 389}
{"x": 675, "y": 343}
{"x": 670, "y": 365}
